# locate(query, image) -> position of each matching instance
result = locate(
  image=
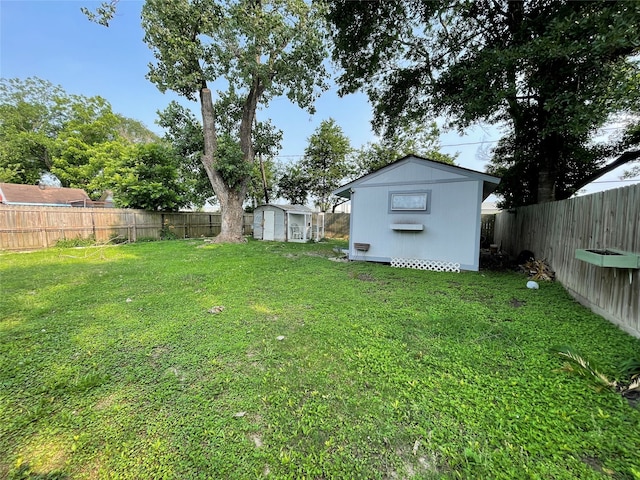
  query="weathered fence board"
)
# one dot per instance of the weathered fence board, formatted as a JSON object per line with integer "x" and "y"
{"x": 336, "y": 225}
{"x": 602, "y": 220}
{"x": 31, "y": 227}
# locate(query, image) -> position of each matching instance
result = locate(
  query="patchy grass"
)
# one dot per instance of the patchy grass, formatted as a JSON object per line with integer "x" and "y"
{"x": 114, "y": 367}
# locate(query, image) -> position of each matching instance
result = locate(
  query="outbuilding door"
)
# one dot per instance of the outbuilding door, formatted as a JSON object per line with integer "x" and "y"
{"x": 268, "y": 229}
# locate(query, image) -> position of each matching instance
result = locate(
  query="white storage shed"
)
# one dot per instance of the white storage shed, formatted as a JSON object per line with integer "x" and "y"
{"x": 283, "y": 223}
{"x": 418, "y": 213}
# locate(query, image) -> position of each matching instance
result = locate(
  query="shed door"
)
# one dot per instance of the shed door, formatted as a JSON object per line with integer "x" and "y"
{"x": 268, "y": 229}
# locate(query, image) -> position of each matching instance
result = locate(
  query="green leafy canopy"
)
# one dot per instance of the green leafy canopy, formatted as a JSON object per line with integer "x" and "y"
{"x": 550, "y": 73}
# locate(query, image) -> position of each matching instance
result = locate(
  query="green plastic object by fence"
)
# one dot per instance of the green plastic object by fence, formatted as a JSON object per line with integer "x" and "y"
{"x": 609, "y": 257}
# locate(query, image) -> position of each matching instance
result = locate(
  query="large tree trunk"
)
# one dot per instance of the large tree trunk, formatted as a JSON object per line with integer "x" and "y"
{"x": 230, "y": 200}
{"x": 231, "y": 229}
{"x": 210, "y": 139}
{"x": 548, "y": 150}
{"x": 233, "y": 198}
{"x": 546, "y": 186}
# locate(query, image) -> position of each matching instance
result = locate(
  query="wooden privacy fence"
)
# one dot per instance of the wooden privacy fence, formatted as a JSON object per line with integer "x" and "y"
{"x": 487, "y": 224}
{"x": 32, "y": 227}
{"x": 336, "y": 225}
{"x": 23, "y": 228}
{"x": 602, "y": 220}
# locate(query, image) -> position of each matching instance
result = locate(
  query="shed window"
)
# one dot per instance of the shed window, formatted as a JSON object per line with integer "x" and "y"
{"x": 403, "y": 202}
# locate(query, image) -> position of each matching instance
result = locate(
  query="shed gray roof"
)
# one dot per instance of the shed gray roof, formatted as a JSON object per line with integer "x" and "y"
{"x": 289, "y": 208}
{"x": 489, "y": 182}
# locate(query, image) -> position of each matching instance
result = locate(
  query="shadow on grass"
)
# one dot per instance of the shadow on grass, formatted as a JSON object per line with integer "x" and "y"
{"x": 25, "y": 473}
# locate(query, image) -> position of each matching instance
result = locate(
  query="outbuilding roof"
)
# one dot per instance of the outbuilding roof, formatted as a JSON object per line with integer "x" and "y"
{"x": 489, "y": 182}
{"x": 290, "y": 208}
{"x": 15, "y": 194}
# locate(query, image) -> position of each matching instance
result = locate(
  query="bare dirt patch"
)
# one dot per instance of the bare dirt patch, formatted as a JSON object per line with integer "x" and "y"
{"x": 157, "y": 353}
{"x": 515, "y": 303}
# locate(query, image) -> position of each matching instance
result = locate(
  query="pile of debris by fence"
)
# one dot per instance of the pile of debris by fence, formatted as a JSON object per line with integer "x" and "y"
{"x": 538, "y": 270}
{"x": 525, "y": 262}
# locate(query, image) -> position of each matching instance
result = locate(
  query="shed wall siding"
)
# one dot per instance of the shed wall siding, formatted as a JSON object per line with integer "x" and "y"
{"x": 411, "y": 172}
{"x": 257, "y": 224}
{"x": 280, "y": 228}
{"x": 451, "y": 229}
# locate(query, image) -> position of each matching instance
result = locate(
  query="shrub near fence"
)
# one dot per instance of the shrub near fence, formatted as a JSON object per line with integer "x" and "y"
{"x": 602, "y": 220}
{"x": 32, "y": 227}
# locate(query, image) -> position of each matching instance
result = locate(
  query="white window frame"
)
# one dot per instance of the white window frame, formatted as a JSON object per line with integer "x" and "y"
{"x": 420, "y": 203}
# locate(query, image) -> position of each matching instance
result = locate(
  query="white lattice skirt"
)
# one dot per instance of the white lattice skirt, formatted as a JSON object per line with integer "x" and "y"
{"x": 420, "y": 264}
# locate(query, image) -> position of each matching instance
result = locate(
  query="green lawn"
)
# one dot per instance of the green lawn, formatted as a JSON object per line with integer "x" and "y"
{"x": 112, "y": 366}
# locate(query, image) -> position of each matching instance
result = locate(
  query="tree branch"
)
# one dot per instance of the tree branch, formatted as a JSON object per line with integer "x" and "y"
{"x": 103, "y": 14}
{"x": 626, "y": 157}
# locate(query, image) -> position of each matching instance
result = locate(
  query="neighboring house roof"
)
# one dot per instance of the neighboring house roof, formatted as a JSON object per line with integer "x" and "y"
{"x": 489, "y": 182}
{"x": 14, "y": 194}
{"x": 489, "y": 208}
{"x": 289, "y": 208}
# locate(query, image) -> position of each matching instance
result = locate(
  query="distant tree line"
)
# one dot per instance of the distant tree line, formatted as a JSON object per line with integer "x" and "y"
{"x": 50, "y": 136}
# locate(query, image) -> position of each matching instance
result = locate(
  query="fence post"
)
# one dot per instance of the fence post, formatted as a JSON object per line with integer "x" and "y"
{"x": 135, "y": 227}
{"x": 44, "y": 236}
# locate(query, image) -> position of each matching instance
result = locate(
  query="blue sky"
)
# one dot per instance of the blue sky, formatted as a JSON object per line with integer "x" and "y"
{"x": 53, "y": 40}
